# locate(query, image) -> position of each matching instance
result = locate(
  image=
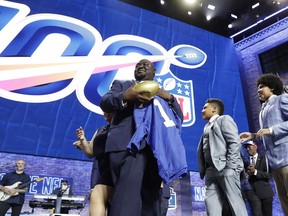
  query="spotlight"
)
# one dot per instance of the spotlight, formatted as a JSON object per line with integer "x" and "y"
{"x": 190, "y": 1}
{"x": 255, "y": 5}
{"x": 211, "y": 7}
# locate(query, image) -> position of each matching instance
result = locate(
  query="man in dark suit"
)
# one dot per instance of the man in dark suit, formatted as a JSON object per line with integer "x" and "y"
{"x": 220, "y": 162}
{"x": 136, "y": 179}
{"x": 247, "y": 191}
{"x": 258, "y": 178}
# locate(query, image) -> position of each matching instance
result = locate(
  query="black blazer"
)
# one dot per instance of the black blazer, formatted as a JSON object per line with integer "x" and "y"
{"x": 122, "y": 127}
{"x": 260, "y": 182}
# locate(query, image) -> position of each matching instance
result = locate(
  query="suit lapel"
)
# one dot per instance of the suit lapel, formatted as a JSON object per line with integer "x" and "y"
{"x": 211, "y": 124}
{"x": 266, "y": 108}
{"x": 258, "y": 161}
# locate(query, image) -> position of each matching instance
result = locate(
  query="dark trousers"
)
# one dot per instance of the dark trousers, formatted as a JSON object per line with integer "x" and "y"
{"x": 151, "y": 186}
{"x": 164, "y": 199}
{"x": 266, "y": 205}
{"x": 254, "y": 202}
{"x": 164, "y": 205}
{"x": 4, "y": 207}
{"x": 137, "y": 184}
{"x": 259, "y": 207}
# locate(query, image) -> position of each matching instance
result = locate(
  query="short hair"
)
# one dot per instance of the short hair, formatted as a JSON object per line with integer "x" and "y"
{"x": 219, "y": 103}
{"x": 64, "y": 181}
{"x": 21, "y": 159}
{"x": 273, "y": 82}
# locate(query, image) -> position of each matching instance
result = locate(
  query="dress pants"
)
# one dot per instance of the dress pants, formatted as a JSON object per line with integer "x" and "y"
{"x": 254, "y": 202}
{"x": 223, "y": 193}
{"x": 267, "y": 206}
{"x": 136, "y": 184}
{"x": 151, "y": 187}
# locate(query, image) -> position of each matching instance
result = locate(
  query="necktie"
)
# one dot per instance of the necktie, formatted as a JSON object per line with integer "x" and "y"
{"x": 253, "y": 161}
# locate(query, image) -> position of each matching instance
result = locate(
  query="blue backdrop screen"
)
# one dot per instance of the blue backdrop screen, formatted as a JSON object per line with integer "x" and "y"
{"x": 58, "y": 58}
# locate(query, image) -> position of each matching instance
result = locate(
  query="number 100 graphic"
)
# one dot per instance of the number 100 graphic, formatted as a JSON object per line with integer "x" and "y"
{"x": 46, "y": 57}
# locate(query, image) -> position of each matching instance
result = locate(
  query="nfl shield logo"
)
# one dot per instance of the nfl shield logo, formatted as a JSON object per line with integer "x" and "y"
{"x": 183, "y": 92}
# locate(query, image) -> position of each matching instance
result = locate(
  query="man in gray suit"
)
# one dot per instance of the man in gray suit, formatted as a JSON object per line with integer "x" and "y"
{"x": 220, "y": 161}
{"x": 273, "y": 119}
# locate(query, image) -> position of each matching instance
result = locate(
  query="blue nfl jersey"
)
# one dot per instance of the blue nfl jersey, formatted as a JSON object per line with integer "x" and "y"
{"x": 161, "y": 127}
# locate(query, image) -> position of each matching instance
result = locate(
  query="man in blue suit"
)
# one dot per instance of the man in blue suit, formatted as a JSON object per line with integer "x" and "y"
{"x": 273, "y": 119}
{"x": 219, "y": 160}
{"x": 136, "y": 179}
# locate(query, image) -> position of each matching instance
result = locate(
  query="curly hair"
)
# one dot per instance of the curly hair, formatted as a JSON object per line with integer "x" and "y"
{"x": 219, "y": 103}
{"x": 273, "y": 82}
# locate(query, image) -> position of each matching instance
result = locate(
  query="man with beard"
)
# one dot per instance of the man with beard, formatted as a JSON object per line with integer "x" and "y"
{"x": 135, "y": 177}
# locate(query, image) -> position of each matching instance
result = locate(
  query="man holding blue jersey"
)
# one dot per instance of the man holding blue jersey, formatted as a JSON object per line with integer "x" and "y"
{"x": 136, "y": 179}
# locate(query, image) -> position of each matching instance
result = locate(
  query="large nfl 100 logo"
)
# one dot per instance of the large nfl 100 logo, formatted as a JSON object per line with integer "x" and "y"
{"x": 46, "y": 57}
